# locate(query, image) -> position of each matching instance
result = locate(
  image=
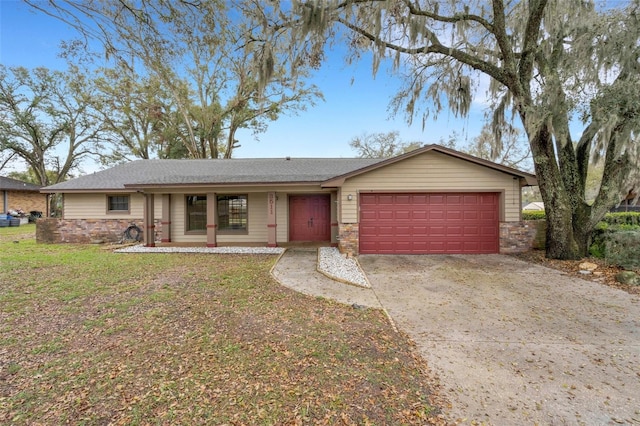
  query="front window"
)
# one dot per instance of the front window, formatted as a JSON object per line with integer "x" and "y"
{"x": 117, "y": 203}
{"x": 196, "y": 219}
{"x": 232, "y": 212}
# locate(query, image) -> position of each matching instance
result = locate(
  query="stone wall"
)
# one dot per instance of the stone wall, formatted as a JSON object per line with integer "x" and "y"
{"x": 24, "y": 200}
{"x": 348, "y": 238}
{"x": 84, "y": 231}
{"x": 518, "y": 237}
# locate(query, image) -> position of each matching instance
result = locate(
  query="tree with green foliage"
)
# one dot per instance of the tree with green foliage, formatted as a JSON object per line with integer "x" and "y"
{"x": 138, "y": 113}
{"x": 47, "y": 121}
{"x": 547, "y": 63}
{"x": 381, "y": 145}
{"x": 212, "y": 57}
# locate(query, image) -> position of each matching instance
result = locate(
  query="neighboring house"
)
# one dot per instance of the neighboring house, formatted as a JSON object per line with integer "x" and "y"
{"x": 431, "y": 200}
{"x": 630, "y": 204}
{"x": 18, "y": 195}
{"x": 536, "y": 206}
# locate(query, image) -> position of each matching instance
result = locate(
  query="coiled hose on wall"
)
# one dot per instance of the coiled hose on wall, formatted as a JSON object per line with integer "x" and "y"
{"x": 133, "y": 232}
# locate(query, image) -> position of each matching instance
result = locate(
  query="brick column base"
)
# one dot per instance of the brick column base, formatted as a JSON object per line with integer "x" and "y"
{"x": 518, "y": 237}
{"x": 348, "y": 238}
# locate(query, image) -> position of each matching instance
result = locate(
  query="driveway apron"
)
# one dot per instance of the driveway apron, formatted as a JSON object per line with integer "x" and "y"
{"x": 517, "y": 343}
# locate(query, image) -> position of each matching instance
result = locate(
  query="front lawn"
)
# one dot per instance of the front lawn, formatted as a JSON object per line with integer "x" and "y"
{"x": 88, "y": 336}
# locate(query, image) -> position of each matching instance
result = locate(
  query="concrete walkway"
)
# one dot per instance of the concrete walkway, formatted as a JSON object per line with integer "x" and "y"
{"x": 296, "y": 269}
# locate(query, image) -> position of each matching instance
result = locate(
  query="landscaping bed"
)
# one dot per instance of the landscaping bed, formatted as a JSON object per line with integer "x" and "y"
{"x": 605, "y": 273}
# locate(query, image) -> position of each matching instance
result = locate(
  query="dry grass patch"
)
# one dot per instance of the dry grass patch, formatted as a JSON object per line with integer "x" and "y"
{"x": 92, "y": 337}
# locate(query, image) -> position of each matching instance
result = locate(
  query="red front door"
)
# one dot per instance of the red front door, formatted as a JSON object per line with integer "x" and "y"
{"x": 310, "y": 217}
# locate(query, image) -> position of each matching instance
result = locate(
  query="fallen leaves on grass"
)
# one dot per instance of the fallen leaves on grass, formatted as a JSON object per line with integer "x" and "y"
{"x": 197, "y": 339}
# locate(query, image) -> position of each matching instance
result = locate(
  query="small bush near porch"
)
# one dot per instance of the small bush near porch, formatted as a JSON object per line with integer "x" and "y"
{"x": 92, "y": 337}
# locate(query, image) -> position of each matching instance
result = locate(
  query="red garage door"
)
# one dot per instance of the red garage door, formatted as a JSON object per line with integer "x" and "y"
{"x": 429, "y": 223}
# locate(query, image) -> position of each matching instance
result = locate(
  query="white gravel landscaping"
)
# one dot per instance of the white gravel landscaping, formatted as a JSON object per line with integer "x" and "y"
{"x": 336, "y": 266}
{"x": 330, "y": 262}
{"x": 213, "y": 250}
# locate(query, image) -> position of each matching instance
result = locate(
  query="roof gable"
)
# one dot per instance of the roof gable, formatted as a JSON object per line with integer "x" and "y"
{"x": 529, "y": 178}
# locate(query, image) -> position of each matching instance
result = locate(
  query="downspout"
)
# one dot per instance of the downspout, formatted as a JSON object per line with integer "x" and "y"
{"x": 5, "y": 198}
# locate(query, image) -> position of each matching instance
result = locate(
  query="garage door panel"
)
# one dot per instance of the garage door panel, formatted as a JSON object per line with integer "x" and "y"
{"x": 385, "y": 215}
{"x": 369, "y": 199}
{"x": 471, "y": 215}
{"x": 436, "y": 230}
{"x": 384, "y": 200}
{"x": 436, "y": 214}
{"x": 472, "y": 231}
{"x": 429, "y": 223}
{"x": 488, "y": 215}
{"x": 368, "y": 215}
{"x": 403, "y": 215}
{"x": 419, "y": 215}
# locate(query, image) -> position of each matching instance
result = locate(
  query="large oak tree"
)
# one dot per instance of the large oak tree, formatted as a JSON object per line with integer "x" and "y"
{"x": 548, "y": 64}
{"x": 47, "y": 120}
{"x": 212, "y": 57}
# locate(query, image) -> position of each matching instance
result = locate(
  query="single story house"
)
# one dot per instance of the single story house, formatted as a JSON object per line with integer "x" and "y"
{"x": 19, "y": 195}
{"x": 430, "y": 200}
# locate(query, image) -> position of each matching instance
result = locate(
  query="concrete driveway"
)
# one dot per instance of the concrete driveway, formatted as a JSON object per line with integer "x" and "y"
{"x": 516, "y": 343}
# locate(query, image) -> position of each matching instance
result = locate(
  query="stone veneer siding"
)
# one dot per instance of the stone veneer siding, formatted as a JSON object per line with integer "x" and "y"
{"x": 515, "y": 237}
{"x": 518, "y": 237}
{"x": 84, "y": 231}
{"x": 348, "y": 234}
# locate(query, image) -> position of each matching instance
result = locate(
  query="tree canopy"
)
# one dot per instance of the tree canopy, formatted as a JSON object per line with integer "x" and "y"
{"x": 381, "y": 145}
{"x": 48, "y": 121}
{"x": 211, "y": 57}
{"x": 547, "y": 64}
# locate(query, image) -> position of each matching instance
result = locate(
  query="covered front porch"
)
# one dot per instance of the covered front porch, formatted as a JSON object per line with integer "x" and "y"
{"x": 242, "y": 218}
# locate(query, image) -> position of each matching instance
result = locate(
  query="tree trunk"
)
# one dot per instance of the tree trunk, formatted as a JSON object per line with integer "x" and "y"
{"x": 565, "y": 238}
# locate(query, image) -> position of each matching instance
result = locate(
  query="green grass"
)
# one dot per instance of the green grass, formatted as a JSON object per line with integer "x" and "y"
{"x": 88, "y": 336}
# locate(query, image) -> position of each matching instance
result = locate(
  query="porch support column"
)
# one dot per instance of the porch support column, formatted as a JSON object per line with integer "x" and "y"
{"x": 149, "y": 221}
{"x": 166, "y": 218}
{"x": 271, "y": 220}
{"x": 334, "y": 219}
{"x": 211, "y": 220}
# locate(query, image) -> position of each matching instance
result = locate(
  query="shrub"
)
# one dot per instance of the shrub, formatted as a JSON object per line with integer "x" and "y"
{"x": 618, "y": 245}
{"x": 533, "y": 215}
{"x": 619, "y": 218}
{"x": 623, "y": 218}
{"x": 623, "y": 248}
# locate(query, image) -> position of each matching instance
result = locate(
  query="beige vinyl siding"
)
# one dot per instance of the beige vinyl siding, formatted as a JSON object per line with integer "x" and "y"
{"x": 94, "y": 206}
{"x": 257, "y": 220}
{"x": 282, "y": 218}
{"x": 432, "y": 171}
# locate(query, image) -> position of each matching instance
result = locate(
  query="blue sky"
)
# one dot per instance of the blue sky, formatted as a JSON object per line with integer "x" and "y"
{"x": 350, "y": 108}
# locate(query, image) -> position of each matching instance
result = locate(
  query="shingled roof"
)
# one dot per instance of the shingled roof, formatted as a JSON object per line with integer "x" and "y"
{"x": 236, "y": 171}
{"x": 8, "y": 184}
